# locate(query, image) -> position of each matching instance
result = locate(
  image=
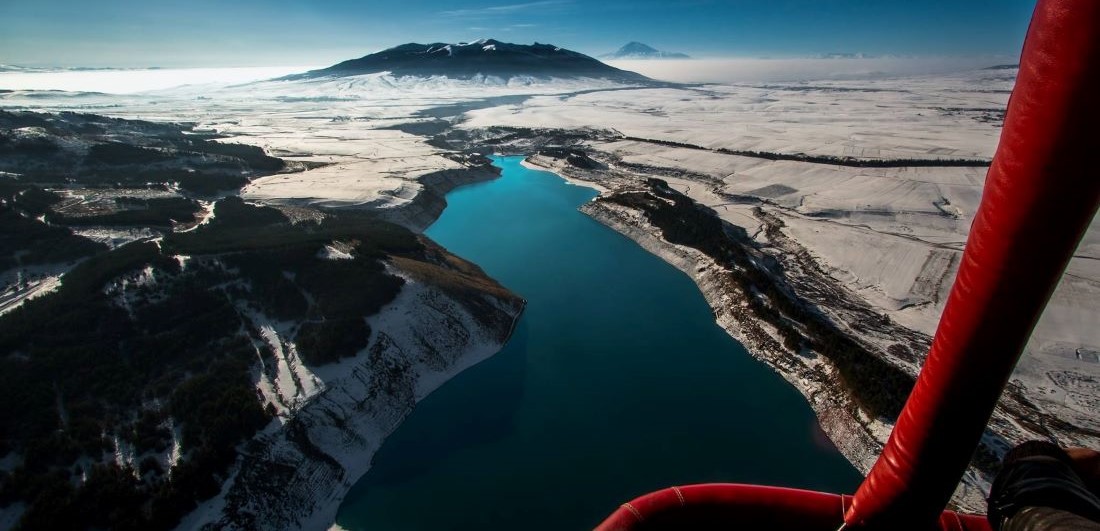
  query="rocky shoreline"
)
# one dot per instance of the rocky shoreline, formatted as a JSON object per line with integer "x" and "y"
{"x": 297, "y": 472}
{"x": 859, "y": 436}
{"x": 429, "y": 204}
{"x": 853, "y": 434}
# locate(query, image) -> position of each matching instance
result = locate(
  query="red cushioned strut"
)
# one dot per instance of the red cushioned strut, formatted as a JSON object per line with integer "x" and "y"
{"x": 1040, "y": 195}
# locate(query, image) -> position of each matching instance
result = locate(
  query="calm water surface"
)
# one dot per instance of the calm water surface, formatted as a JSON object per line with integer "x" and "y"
{"x": 617, "y": 382}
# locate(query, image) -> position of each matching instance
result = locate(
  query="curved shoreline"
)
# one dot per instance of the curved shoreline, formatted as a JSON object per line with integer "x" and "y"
{"x": 859, "y": 437}
{"x": 296, "y": 475}
{"x": 572, "y": 403}
{"x": 853, "y": 436}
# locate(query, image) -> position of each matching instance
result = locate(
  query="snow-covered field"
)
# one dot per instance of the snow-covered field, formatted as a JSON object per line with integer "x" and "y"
{"x": 343, "y": 129}
{"x": 892, "y": 236}
{"x": 919, "y": 117}
{"x": 766, "y": 70}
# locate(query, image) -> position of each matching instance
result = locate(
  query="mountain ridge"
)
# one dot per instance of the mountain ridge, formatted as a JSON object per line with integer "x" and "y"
{"x": 483, "y": 57}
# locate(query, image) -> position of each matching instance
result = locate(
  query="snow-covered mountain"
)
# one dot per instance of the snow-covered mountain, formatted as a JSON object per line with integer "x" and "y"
{"x": 637, "y": 50}
{"x": 483, "y": 57}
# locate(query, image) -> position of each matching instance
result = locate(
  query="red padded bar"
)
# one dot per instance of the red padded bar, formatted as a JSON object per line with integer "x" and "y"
{"x": 734, "y": 506}
{"x": 1040, "y": 195}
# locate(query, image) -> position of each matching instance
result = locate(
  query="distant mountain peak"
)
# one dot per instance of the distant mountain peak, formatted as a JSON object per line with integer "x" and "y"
{"x": 637, "y": 50}
{"x": 845, "y": 55}
{"x": 481, "y": 57}
{"x": 637, "y": 47}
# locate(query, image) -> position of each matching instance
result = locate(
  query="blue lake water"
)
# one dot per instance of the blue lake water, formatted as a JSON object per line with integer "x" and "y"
{"x": 616, "y": 382}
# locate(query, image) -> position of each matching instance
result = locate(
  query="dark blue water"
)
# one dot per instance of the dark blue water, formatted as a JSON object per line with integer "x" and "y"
{"x": 617, "y": 382}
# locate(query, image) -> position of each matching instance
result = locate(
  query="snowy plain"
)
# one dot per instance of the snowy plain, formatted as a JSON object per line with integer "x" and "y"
{"x": 891, "y": 235}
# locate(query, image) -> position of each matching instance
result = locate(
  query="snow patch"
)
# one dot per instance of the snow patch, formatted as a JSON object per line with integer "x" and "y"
{"x": 124, "y": 453}
{"x": 16, "y": 295}
{"x": 114, "y": 237}
{"x": 335, "y": 252}
{"x": 294, "y": 383}
{"x": 175, "y": 451}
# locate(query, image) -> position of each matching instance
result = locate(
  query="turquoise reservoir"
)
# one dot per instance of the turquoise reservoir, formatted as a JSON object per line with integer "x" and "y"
{"x": 616, "y": 382}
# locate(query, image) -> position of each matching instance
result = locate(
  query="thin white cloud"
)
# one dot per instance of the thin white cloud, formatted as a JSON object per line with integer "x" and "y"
{"x": 507, "y": 9}
{"x": 516, "y": 27}
{"x": 744, "y": 70}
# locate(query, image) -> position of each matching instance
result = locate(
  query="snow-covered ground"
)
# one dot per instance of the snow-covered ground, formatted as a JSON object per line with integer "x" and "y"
{"x": 918, "y": 117}
{"x": 762, "y": 70}
{"x": 22, "y": 284}
{"x": 384, "y": 176}
{"x": 892, "y": 236}
{"x": 342, "y": 130}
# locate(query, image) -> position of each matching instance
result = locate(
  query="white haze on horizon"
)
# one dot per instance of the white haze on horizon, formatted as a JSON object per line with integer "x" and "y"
{"x": 745, "y": 70}
{"x": 132, "y": 81}
{"x": 750, "y": 70}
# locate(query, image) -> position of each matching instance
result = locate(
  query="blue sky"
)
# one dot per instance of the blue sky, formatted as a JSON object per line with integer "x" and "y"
{"x": 132, "y": 33}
